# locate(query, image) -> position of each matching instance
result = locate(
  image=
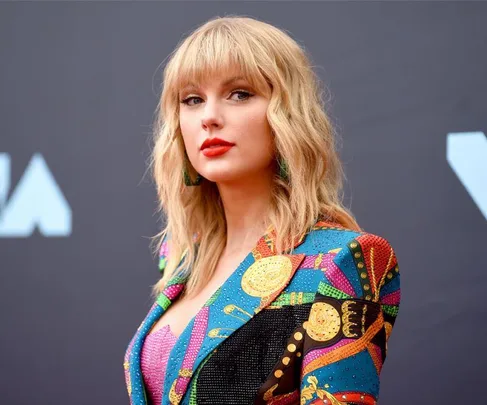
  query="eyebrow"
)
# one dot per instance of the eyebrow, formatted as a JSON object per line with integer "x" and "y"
{"x": 225, "y": 83}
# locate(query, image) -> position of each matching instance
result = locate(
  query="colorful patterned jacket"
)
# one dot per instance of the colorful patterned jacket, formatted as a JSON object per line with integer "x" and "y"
{"x": 309, "y": 327}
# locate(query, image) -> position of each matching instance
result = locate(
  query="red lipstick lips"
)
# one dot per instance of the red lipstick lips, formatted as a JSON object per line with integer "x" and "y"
{"x": 215, "y": 147}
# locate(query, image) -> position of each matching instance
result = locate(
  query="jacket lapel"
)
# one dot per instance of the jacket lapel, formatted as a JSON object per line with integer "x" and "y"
{"x": 133, "y": 373}
{"x": 256, "y": 282}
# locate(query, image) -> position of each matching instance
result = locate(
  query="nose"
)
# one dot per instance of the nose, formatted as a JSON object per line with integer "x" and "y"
{"x": 212, "y": 117}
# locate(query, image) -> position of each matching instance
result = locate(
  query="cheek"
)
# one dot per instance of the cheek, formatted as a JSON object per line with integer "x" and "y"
{"x": 258, "y": 136}
{"x": 188, "y": 132}
{"x": 258, "y": 150}
{"x": 185, "y": 125}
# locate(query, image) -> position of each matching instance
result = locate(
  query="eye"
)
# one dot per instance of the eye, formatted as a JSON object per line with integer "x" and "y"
{"x": 246, "y": 96}
{"x": 245, "y": 93}
{"x": 187, "y": 100}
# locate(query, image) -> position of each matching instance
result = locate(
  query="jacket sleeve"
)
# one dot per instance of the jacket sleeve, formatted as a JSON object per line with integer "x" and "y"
{"x": 349, "y": 324}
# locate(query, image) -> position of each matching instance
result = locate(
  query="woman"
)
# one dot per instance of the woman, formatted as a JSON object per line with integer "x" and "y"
{"x": 271, "y": 293}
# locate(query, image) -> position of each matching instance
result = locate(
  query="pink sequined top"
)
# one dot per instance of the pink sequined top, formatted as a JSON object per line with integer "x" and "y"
{"x": 153, "y": 362}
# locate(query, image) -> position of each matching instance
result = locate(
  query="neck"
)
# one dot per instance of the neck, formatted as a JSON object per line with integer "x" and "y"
{"x": 246, "y": 207}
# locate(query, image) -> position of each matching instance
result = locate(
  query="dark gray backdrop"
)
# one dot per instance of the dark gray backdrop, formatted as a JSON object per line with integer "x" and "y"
{"x": 79, "y": 84}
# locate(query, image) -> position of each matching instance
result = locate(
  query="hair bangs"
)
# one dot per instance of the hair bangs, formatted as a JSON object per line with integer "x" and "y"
{"x": 218, "y": 52}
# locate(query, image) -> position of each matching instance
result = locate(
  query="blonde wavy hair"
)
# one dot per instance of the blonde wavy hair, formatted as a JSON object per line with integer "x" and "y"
{"x": 279, "y": 69}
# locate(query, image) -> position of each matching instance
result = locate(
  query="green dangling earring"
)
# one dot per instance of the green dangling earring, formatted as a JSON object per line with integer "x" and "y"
{"x": 283, "y": 169}
{"x": 189, "y": 182}
{"x": 187, "y": 177}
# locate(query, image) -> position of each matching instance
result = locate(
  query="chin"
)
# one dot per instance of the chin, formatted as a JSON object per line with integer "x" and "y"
{"x": 220, "y": 178}
{"x": 222, "y": 175}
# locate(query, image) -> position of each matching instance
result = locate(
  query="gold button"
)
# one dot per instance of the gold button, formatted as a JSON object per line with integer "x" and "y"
{"x": 360, "y": 265}
{"x": 298, "y": 354}
{"x": 286, "y": 360}
{"x": 366, "y": 287}
{"x": 298, "y": 336}
{"x": 389, "y": 275}
{"x": 291, "y": 347}
{"x": 363, "y": 275}
{"x": 353, "y": 245}
{"x": 278, "y": 373}
{"x": 357, "y": 254}
{"x": 368, "y": 297}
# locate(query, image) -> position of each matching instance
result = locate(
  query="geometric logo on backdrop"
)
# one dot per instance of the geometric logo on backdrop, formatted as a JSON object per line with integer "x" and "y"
{"x": 36, "y": 201}
{"x": 466, "y": 153}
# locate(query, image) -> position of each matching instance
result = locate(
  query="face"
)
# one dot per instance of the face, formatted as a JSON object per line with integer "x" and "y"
{"x": 225, "y": 129}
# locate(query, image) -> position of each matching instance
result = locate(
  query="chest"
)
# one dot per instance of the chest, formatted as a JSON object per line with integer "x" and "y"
{"x": 185, "y": 308}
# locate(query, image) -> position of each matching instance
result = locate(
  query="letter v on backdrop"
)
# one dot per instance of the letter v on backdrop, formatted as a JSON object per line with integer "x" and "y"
{"x": 466, "y": 152}
{"x": 36, "y": 201}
